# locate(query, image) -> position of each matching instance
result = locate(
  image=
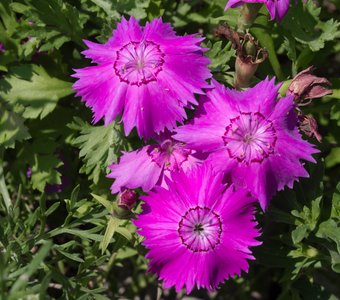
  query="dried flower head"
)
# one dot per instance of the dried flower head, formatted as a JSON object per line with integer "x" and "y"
{"x": 305, "y": 85}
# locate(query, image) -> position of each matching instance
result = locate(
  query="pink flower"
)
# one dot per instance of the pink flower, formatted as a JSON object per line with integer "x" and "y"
{"x": 149, "y": 165}
{"x": 277, "y": 8}
{"x": 197, "y": 231}
{"x": 252, "y": 137}
{"x": 146, "y": 74}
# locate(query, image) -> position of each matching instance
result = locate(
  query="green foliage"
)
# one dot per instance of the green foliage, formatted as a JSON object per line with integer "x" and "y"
{"x": 33, "y": 88}
{"x": 99, "y": 146}
{"x": 12, "y": 128}
{"x": 307, "y": 28}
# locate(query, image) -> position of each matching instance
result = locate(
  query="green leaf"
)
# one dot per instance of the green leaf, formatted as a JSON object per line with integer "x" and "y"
{"x": 299, "y": 233}
{"x": 109, "y": 8}
{"x": 71, "y": 256}
{"x": 99, "y": 146}
{"x": 330, "y": 230}
{"x": 107, "y": 204}
{"x": 302, "y": 21}
{"x": 56, "y": 19}
{"x": 125, "y": 233}
{"x": 335, "y": 261}
{"x": 51, "y": 209}
{"x": 112, "y": 226}
{"x": 335, "y": 213}
{"x": 220, "y": 56}
{"x": 333, "y": 158}
{"x": 32, "y": 266}
{"x": 12, "y": 128}
{"x": 335, "y": 112}
{"x": 32, "y": 87}
{"x": 44, "y": 163}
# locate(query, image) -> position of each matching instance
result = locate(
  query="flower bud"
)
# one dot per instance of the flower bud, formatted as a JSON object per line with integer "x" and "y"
{"x": 127, "y": 199}
{"x": 305, "y": 85}
{"x": 245, "y": 71}
{"x": 249, "y": 56}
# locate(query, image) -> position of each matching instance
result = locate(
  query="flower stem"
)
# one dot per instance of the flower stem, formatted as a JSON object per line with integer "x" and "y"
{"x": 3, "y": 187}
{"x": 249, "y": 12}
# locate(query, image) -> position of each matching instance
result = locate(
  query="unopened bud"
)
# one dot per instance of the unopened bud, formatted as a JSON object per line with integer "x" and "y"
{"x": 127, "y": 199}
{"x": 249, "y": 56}
{"x": 305, "y": 85}
{"x": 245, "y": 71}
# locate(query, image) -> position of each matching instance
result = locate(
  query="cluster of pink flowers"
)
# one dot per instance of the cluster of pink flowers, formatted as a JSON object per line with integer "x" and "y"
{"x": 203, "y": 178}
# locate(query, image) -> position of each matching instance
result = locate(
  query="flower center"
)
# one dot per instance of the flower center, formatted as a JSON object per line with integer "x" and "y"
{"x": 169, "y": 154}
{"x": 138, "y": 63}
{"x": 200, "y": 229}
{"x": 250, "y": 137}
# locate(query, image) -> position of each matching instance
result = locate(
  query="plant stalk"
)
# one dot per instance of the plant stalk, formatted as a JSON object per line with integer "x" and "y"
{"x": 3, "y": 187}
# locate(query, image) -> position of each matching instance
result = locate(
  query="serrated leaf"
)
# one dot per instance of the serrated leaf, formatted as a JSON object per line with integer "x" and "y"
{"x": 330, "y": 230}
{"x": 302, "y": 21}
{"x": 299, "y": 233}
{"x": 58, "y": 17}
{"x": 99, "y": 146}
{"x": 220, "y": 56}
{"x": 32, "y": 87}
{"x": 40, "y": 156}
{"x": 12, "y": 128}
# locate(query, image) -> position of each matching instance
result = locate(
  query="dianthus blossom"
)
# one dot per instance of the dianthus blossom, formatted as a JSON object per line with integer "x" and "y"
{"x": 252, "y": 137}
{"x": 146, "y": 74}
{"x": 198, "y": 232}
{"x": 277, "y": 8}
{"x": 149, "y": 165}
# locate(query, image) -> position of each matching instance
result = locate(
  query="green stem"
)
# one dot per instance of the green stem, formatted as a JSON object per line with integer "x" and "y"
{"x": 3, "y": 187}
{"x": 248, "y": 15}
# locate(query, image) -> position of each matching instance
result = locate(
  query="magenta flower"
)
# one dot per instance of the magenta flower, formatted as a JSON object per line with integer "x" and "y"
{"x": 197, "y": 231}
{"x": 251, "y": 136}
{"x": 277, "y": 8}
{"x": 147, "y": 74}
{"x": 149, "y": 165}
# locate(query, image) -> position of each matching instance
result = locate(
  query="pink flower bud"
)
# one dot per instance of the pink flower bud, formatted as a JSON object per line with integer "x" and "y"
{"x": 127, "y": 199}
{"x": 305, "y": 85}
